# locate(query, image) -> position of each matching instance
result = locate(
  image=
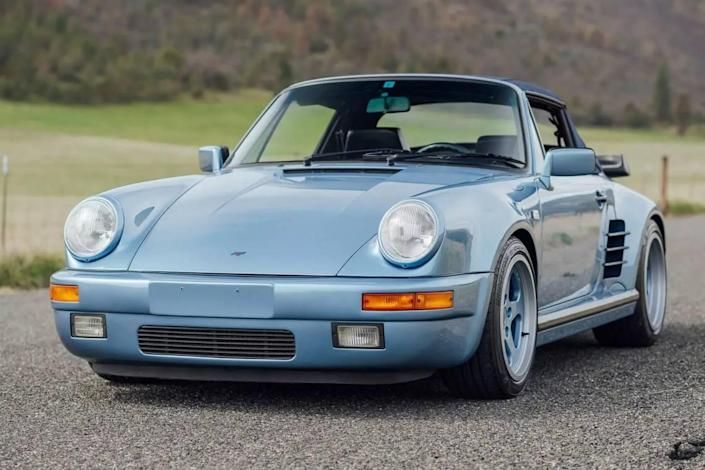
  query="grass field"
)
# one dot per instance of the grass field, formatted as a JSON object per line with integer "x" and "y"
{"x": 60, "y": 154}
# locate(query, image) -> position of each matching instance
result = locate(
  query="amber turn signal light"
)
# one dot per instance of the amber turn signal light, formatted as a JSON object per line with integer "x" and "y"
{"x": 434, "y": 300}
{"x": 63, "y": 293}
{"x": 407, "y": 301}
{"x": 388, "y": 301}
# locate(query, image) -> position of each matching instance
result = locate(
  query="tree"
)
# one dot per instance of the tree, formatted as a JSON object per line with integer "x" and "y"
{"x": 597, "y": 117}
{"x": 286, "y": 72}
{"x": 662, "y": 95}
{"x": 683, "y": 115}
{"x": 635, "y": 117}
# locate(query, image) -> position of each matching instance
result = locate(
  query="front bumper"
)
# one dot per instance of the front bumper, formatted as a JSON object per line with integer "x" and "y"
{"x": 306, "y": 306}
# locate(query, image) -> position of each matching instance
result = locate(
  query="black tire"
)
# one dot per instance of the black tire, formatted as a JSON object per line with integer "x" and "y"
{"x": 485, "y": 374}
{"x": 635, "y": 330}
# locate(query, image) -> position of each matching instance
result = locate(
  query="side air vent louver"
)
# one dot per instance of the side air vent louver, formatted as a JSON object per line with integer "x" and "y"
{"x": 614, "y": 252}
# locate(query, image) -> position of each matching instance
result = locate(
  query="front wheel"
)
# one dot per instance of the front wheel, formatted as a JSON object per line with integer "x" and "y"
{"x": 501, "y": 365}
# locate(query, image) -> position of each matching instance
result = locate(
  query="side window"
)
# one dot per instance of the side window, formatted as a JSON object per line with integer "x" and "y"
{"x": 289, "y": 142}
{"x": 550, "y": 128}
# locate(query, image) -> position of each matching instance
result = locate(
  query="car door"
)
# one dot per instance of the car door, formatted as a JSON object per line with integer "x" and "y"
{"x": 572, "y": 214}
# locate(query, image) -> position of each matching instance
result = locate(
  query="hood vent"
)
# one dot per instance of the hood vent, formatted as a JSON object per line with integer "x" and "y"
{"x": 339, "y": 171}
{"x": 614, "y": 252}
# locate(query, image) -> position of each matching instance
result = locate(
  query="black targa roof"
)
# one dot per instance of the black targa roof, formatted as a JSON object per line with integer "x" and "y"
{"x": 533, "y": 88}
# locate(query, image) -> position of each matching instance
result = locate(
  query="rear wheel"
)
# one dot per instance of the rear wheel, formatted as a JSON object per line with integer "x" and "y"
{"x": 501, "y": 365}
{"x": 644, "y": 326}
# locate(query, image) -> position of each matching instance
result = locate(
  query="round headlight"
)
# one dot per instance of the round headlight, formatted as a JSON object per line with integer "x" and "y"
{"x": 409, "y": 233}
{"x": 92, "y": 229}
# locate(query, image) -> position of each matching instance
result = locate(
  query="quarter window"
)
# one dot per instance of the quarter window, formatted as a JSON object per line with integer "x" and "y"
{"x": 550, "y": 126}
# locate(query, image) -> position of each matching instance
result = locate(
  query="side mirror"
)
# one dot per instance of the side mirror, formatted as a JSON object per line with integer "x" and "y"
{"x": 568, "y": 162}
{"x": 614, "y": 166}
{"x": 211, "y": 158}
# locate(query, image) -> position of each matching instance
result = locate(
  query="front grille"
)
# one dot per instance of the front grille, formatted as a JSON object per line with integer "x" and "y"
{"x": 217, "y": 342}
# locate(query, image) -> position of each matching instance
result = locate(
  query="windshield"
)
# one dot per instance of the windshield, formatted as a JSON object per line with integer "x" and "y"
{"x": 351, "y": 119}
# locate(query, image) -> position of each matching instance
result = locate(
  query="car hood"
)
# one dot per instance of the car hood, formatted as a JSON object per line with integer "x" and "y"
{"x": 268, "y": 220}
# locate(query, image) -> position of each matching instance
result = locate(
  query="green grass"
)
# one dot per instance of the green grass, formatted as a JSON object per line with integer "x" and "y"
{"x": 60, "y": 150}
{"x": 28, "y": 272}
{"x": 695, "y": 134}
{"x": 216, "y": 119}
{"x": 51, "y": 164}
{"x": 685, "y": 208}
{"x": 60, "y": 154}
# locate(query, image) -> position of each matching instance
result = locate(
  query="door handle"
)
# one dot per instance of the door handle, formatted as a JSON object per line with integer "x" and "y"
{"x": 600, "y": 197}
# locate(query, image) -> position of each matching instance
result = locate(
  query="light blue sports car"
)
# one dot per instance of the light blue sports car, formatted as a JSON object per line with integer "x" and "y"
{"x": 369, "y": 229}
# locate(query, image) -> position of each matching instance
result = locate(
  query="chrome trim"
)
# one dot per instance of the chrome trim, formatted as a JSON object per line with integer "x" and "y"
{"x": 587, "y": 309}
{"x": 617, "y": 234}
{"x": 408, "y": 76}
{"x": 616, "y": 248}
{"x": 432, "y": 248}
{"x": 550, "y": 335}
{"x": 614, "y": 263}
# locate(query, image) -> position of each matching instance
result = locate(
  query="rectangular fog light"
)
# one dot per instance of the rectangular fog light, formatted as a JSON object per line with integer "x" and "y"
{"x": 88, "y": 326}
{"x": 358, "y": 336}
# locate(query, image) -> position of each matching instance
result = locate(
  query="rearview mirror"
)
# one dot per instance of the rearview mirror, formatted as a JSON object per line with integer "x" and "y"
{"x": 389, "y": 104}
{"x": 211, "y": 158}
{"x": 568, "y": 162}
{"x": 614, "y": 166}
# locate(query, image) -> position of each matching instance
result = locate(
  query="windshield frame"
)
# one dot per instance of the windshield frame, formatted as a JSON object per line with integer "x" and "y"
{"x": 235, "y": 160}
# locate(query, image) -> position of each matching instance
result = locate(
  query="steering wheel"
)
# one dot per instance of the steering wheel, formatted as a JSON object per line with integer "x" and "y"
{"x": 436, "y": 146}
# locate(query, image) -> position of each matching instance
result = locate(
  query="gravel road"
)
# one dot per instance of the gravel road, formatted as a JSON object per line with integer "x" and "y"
{"x": 586, "y": 406}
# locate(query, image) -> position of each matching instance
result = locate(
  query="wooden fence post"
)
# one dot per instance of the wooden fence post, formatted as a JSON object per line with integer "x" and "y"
{"x": 664, "y": 184}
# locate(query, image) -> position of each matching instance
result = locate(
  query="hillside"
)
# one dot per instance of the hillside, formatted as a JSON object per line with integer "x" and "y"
{"x": 599, "y": 52}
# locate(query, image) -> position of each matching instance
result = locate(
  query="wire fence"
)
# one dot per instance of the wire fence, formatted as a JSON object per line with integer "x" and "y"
{"x": 48, "y": 174}
{"x": 40, "y": 196}
{"x": 34, "y": 224}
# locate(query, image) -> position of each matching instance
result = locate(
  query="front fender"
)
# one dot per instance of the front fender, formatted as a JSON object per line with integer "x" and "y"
{"x": 478, "y": 220}
{"x": 142, "y": 205}
{"x": 636, "y": 210}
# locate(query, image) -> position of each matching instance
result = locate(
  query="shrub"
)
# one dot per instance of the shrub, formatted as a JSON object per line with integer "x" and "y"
{"x": 597, "y": 117}
{"x": 28, "y": 272}
{"x": 685, "y": 208}
{"x": 635, "y": 118}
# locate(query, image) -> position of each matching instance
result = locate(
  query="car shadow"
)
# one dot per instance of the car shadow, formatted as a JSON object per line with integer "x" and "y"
{"x": 576, "y": 371}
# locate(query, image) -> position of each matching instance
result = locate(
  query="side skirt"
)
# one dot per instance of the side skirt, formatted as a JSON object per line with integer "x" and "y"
{"x": 570, "y": 321}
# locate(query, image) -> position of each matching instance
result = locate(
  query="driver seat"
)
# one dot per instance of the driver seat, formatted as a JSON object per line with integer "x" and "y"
{"x": 498, "y": 144}
{"x": 377, "y": 138}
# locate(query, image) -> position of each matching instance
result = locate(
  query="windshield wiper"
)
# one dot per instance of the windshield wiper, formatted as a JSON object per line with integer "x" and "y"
{"x": 445, "y": 156}
{"x": 328, "y": 156}
{"x": 504, "y": 159}
{"x": 337, "y": 155}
